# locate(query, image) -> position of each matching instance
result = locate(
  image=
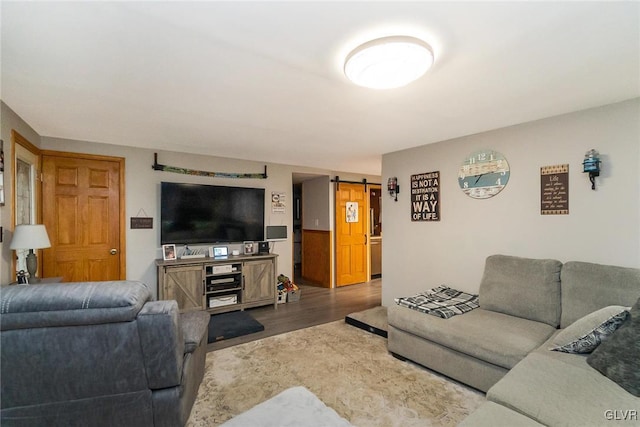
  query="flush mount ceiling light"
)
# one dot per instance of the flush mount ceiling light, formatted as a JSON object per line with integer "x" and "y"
{"x": 388, "y": 62}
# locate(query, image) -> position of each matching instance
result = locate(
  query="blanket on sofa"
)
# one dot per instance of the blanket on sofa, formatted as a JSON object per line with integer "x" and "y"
{"x": 442, "y": 301}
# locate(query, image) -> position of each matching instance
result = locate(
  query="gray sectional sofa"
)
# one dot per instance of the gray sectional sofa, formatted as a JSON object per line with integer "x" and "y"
{"x": 97, "y": 354}
{"x": 502, "y": 347}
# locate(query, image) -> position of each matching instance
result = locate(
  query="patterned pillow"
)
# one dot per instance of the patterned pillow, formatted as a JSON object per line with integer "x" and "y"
{"x": 585, "y": 334}
{"x": 618, "y": 358}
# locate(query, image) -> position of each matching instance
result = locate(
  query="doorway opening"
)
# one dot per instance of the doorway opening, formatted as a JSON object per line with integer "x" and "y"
{"x": 297, "y": 232}
{"x": 375, "y": 231}
{"x": 312, "y": 231}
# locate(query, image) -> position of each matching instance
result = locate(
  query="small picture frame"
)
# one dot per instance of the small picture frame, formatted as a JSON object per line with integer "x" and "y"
{"x": 169, "y": 252}
{"x": 248, "y": 248}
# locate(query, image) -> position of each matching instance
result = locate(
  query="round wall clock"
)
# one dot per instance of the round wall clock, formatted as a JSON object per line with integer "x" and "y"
{"x": 483, "y": 174}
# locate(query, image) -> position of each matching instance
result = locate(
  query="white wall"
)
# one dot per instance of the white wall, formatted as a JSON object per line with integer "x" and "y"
{"x": 603, "y": 226}
{"x": 143, "y": 193}
{"x": 316, "y": 205}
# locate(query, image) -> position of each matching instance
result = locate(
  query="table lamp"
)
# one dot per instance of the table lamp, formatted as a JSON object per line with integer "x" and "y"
{"x": 30, "y": 236}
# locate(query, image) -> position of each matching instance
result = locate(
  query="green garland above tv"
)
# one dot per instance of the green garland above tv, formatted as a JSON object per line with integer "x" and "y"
{"x": 185, "y": 171}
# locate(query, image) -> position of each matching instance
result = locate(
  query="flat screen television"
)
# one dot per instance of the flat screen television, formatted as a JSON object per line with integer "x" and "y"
{"x": 196, "y": 213}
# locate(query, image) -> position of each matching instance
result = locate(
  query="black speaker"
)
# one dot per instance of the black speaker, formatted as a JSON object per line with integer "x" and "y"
{"x": 263, "y": 247}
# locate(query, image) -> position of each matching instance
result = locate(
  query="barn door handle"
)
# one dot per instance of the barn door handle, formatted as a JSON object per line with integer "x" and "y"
{"x": 113, "y": 251}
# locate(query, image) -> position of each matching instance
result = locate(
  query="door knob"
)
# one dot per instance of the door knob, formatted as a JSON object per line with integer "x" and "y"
{"x": 113, "y": 251}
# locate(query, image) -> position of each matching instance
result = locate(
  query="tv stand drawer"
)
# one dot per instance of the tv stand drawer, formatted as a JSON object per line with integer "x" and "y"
{"x": 222, "y": 300}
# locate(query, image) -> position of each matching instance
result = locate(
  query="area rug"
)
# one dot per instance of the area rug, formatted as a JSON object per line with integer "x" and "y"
{"x": 294, "y": 407}
{"x": 230, "y": 325}
{"x": 348, "y": 369}
{"x": 373, "y": 320}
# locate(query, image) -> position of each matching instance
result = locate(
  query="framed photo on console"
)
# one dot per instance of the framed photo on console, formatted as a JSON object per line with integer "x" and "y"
{"x": 248, "y": 248}
{"x": 169, "y": 252}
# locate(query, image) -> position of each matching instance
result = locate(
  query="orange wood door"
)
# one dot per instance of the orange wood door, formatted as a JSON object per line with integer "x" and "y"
{"x": 351, "y": 234}
{"x": 81, "y": 210}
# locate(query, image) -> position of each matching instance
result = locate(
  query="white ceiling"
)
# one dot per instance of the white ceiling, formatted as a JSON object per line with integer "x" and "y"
{"x": 263, "y": 80}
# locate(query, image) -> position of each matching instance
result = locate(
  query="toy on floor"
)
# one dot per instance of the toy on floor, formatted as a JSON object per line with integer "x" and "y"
{"x": 285, "y": 288}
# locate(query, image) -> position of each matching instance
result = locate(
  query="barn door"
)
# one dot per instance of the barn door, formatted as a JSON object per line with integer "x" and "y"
{"x": 352, "y": 221}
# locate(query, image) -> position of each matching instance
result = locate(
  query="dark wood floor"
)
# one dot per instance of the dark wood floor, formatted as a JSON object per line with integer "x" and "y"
{"x": 316, "y": 306}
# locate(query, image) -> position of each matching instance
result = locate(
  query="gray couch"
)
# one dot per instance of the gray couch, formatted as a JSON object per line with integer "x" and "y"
{"x": 97, "y": 354}
{"x": 502, "y": 347}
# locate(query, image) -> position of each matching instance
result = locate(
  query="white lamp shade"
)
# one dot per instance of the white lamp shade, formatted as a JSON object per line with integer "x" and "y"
{"x": 30, "y": 236}
{"x": 388, "y": 62}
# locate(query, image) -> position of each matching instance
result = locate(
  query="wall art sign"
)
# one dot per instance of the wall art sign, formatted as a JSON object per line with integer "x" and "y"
{"x": 278, "y": 202}
{"x": 352, "y": 211}
{"x": 554, "y": 190}
{"x": 425, "y": 196}
{"x": 139, "y": 222}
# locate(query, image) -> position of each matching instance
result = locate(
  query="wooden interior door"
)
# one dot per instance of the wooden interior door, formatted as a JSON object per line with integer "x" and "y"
{"x": 82, "y": 211}
{"x": 351, "y": 235}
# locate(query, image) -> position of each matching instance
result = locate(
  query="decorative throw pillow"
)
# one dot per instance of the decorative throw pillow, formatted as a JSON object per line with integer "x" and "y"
{"x": 618, "y": 358}
{"x": 585, "y": 334}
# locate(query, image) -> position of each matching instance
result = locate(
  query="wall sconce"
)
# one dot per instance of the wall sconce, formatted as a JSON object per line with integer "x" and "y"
{"x": 393, "y": 187}
{"x": 591, "y": 165}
